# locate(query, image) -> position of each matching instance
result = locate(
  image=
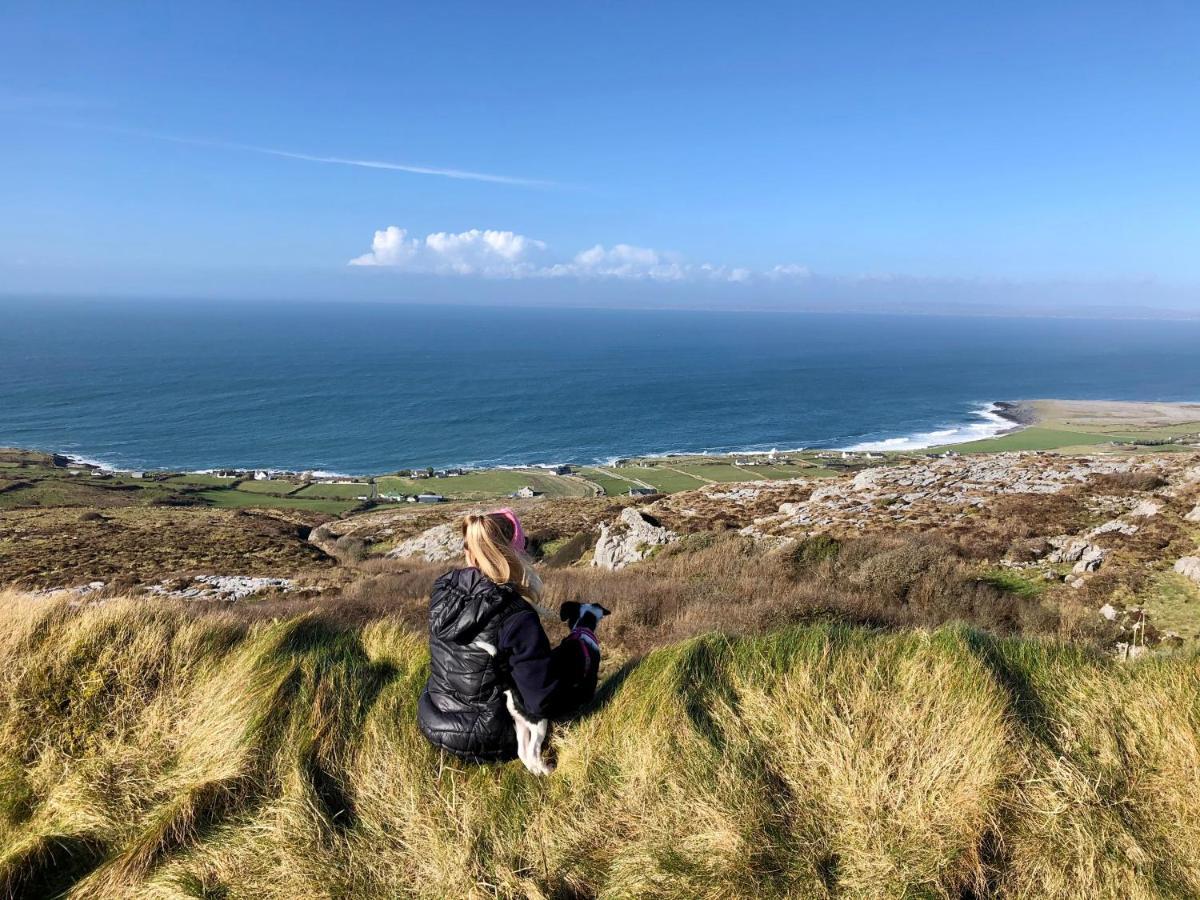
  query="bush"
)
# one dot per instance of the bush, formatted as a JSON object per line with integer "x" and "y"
{"x": 811, "y": 552}
{"x": 1121, "y": 482}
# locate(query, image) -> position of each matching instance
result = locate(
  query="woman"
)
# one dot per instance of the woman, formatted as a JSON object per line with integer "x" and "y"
{"x": 463, "y": 708}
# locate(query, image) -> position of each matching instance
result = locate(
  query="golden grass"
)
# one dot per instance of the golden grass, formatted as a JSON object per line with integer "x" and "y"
{"x": 150, "y": 751}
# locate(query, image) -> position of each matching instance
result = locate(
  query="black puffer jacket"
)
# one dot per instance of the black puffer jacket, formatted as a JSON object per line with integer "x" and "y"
{"x": 463, "y": 708}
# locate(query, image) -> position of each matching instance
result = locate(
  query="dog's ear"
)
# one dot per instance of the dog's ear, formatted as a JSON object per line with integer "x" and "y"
{"x": 569, "y": 611}
{"x": 602, "y": 609}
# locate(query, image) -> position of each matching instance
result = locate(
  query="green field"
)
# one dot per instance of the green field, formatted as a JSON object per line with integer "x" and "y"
{"x": 334, "y": 491}
{"x": 234, "y": 499}
{"x": 1027, "y": 439}
{"x": 484, "y": 484}
{"x": 716, "y": 471}
{"x": 279, "y": 488}
{"x": 610, "y": 484}
{"x": 199, "y": 479}
{"x": 665, "y": 480}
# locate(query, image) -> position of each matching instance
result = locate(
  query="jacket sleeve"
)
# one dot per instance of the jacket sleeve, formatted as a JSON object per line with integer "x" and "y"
{"x": 524, "y": 641}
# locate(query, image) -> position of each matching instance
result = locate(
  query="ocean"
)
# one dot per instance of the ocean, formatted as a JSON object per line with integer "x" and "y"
{"x": 364, "y": 388}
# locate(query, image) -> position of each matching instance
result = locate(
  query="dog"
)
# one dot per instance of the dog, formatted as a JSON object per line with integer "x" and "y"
{"x": 532, "y": 733}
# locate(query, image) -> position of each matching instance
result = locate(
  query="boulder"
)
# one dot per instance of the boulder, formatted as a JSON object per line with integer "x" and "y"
{"x": 1070, "y": 549}
{"x": 1108, "y": 611}
{"x": 1189, "y": 567}
{"x": 631, "y": 538}
{"x": 437, "y": 544}
{"x": 1146, "y": 509}
{"x": 1194, "y": 515}
{"x": 1091, "y": 560}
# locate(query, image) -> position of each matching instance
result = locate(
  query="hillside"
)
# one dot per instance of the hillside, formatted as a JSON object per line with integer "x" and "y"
{"x": 969, "y": 675}
{"x": 151, "y": 751}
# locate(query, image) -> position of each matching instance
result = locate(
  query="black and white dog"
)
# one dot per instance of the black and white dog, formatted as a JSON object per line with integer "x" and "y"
{"x": 579, "y": 653}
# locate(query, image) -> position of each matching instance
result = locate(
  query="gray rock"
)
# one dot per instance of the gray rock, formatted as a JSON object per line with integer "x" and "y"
{"x": 1108, "y": 611}
{"x": 1091, "y": 560}
{"x": 1189, "y": 567}
{"x": 1070, "y": 550}
{"x": 437, "y": 544}
{"x": 226, "y": 588}
{"x": 1194, "y": 515}
{"x": 630, "y": 539}
{"x": 1146, "y": 509}
{"x": 1116, "y": 526}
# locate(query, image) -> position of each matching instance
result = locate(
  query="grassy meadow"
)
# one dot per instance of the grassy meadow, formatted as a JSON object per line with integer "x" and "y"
{"x": 149, "y": 750}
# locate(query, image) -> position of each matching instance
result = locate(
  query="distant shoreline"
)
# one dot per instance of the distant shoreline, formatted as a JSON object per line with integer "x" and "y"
{"x": 1018, "y": 414}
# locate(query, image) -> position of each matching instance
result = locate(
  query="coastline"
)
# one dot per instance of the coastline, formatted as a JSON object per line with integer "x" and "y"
{"x": 993, "y": 419}
{"x": 996, "y": 419}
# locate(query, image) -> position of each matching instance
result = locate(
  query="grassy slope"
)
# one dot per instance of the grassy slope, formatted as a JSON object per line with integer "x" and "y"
{"x": 148, "y": 753}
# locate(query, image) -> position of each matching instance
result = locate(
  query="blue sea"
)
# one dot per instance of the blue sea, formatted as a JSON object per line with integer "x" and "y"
{"x": 362, "y": 388}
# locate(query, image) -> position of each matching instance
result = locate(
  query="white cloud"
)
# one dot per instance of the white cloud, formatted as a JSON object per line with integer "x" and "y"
{"x": 791, "y": 270}
{"x": 491, "y": 254}
{"x": 505, "y": 254}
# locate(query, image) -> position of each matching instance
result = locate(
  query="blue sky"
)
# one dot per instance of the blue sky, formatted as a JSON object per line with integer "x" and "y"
{"x": 740, "y": 154}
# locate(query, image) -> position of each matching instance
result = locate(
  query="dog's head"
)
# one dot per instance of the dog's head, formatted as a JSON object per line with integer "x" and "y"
{"x": 582, "y": 615}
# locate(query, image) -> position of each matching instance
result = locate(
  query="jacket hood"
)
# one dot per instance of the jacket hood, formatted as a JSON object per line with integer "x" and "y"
{"x": 463, "y": 601}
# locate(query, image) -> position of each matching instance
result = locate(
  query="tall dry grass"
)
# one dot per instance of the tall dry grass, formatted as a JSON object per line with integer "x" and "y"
{"x": 150, "y": 751}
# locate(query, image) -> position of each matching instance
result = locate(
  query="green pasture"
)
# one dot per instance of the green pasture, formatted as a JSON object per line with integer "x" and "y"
{"x": 611, "y": 485}
{"x": 278, "y": 488}
{"x": 666, "y": 480}
{"x": 1027, "y": 439}
{"x": 238, "y": 499}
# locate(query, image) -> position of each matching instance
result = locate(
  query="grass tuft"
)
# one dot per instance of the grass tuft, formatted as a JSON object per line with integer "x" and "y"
{"x": 151, "y": 751}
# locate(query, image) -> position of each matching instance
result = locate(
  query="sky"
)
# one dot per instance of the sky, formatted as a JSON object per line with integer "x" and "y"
{"x": 874, "y": 155}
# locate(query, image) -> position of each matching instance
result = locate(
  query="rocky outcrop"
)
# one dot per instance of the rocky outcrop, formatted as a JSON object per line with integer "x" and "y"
{"x": 1189, "y": 567}
{"x": 225, "y": 588}
{"x": 1115, "y": 526}
{"x": 1091, "y": 560}
{"x": 631, "y": 538}
{"x": 1184, "y": 482}
{"x": 1086, "y": 556}
{"x": 437, "y": 544}
{"x": 944, "y": 488}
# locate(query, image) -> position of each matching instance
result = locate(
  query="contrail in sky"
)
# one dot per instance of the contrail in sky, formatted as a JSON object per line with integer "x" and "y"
{"x": 460, "y": 174}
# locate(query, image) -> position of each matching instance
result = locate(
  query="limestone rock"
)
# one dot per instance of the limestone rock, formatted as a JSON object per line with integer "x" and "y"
{"x": 1146, "y": 509}
{"x": 1189, "y": 567}
{"x": 225, "y": 588}
{"x": 437, "y": 544}
{"x": 1070, "y": 550}
{"x": 1108, "y": 611}
{"x": 1194, "y": 515}
{"x": 633, "y": 537}
{"x": 1115, "y": 526}
{"x": 1091, "y": 560}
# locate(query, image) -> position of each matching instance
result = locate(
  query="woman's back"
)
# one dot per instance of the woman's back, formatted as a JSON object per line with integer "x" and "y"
{"x": 463, "y": 707}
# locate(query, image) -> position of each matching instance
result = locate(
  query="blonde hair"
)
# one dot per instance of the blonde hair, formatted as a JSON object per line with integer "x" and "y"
{"x": 488, "y": 538}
